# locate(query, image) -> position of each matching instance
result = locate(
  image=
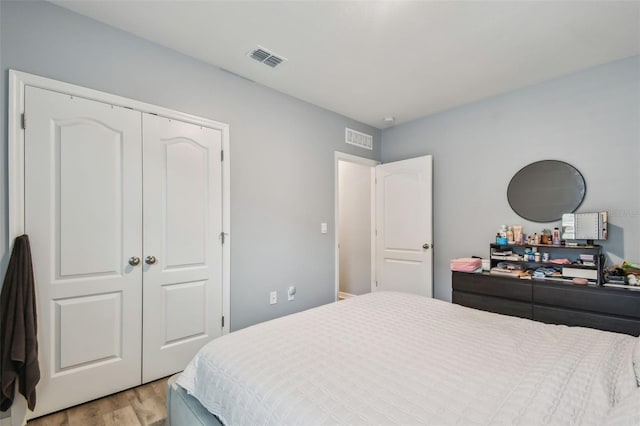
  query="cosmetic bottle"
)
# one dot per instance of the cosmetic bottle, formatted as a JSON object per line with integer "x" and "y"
{"x": 556, "y": 237}
{"x": 510, "y": 236}
{"x": 517, "y": 234}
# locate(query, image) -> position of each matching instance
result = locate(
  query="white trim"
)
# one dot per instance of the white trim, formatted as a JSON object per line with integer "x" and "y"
{"x": 373, "y": 227}
{"x": 355, "y": 159}
{"x": 23, "y": 78}
{"x": 341, "y": 156}
{"x": 226, "y": 229}
{"x": 16, "y": 200}
{"x": 16, "y": 157}
{"x": 342, "y": 295}
{"x": 17, "y": 82}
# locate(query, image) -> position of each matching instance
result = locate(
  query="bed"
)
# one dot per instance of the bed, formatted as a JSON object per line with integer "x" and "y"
{"x": 395, "y": 358}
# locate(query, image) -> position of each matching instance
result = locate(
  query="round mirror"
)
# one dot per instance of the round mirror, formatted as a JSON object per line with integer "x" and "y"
{"x": 544, "y": 190}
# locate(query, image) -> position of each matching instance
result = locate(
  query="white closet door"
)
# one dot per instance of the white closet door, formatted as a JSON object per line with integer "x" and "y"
{"x": 182, "y": 249}
{"x": 83, "y": 192}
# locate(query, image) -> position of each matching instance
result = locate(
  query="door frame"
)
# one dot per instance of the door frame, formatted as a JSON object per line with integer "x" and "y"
{"x": 341, "y": 156}
{"x": 16, "y": 107}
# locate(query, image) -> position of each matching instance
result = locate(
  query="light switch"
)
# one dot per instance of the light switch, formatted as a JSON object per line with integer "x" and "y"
{"x": 323, "y": 227}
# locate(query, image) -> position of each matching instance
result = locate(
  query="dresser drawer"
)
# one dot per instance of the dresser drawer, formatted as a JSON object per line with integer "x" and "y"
{"x": 493, "y": 304}
{"x": 492, "y": 285}
{"x": 570, "y": 317}
{"x": 620, "y": 302}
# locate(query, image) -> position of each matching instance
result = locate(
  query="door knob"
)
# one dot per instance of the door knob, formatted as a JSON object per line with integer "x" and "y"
{"x": 426, "y": 246}
{"x": 134, "y": 261}
{"x": 150, "y": 260}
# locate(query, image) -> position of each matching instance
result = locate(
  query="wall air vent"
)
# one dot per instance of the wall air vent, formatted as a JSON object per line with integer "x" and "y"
{"x": 356, "y": 138}
{"x": 267, "y": 57}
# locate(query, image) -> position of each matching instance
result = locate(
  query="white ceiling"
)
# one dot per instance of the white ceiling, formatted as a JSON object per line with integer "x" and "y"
{"x": 371, "y": 59}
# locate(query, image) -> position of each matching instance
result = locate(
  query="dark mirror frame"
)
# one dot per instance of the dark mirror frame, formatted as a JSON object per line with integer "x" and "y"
{"x": 544, "y": 190}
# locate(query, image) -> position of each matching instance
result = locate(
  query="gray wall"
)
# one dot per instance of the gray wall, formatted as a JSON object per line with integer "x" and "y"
{"x": 282, "y": 149}
{"x": 590, "y": 119}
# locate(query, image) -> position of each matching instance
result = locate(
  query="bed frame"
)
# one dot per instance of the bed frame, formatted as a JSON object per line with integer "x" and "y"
{"x": 185, "y": 410}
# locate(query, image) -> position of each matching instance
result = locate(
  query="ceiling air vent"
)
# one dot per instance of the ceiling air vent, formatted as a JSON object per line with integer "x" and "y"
{"x": 267, "y": 57}
{"x": 356, "y": 138}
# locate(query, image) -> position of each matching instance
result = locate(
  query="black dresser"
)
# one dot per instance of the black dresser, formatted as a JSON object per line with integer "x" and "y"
{"x": 610, "y": 309}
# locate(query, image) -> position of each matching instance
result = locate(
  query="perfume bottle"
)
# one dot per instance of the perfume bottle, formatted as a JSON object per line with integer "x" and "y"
{"x": 556, "y": 237}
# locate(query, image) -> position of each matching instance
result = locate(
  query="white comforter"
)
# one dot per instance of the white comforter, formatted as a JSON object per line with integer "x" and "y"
{"x": 394, "y": 358}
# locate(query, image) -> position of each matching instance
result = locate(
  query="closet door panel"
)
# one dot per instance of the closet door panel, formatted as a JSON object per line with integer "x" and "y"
{"x": 83, "y": 214}
{"x": 92, "y": 323}
{"x": 182, "y": 248}
{"x": 185, "y": 323}
{"x": 90, "y": 169}
{"x": 185, "y": 189}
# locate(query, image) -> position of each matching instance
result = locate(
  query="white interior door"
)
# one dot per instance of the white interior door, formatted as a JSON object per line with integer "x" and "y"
{"x": 182, "y": 247}
{"x": 404, "y": 259}
{"x": 83, "y": 213}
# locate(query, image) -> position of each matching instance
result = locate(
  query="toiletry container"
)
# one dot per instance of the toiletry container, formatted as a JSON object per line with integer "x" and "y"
{"x": 517, "y": 234}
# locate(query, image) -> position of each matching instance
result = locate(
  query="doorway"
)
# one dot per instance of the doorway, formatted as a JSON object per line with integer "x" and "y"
{"x": 384, "y": 226}
{"x": 353, "y": 230}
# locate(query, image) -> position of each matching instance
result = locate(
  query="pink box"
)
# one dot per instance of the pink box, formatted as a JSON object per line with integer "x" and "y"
{"x": 466, "y": 264}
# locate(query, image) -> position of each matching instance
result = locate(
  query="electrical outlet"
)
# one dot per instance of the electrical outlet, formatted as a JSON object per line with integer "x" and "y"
{"x": 291, "y": 293}
{"x": 273, "y": 297}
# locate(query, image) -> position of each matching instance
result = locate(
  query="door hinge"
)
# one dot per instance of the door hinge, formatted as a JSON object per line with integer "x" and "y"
{"x": 23, "y": 121}
{"x": 223, "y": 321}
{"x": 221, "y": 155}
{"x": 222, "y": 237}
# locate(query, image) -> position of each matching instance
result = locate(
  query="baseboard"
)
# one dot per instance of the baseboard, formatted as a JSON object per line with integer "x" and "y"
{"x": 342, "y": 295}
{"x": 17, "y": 414}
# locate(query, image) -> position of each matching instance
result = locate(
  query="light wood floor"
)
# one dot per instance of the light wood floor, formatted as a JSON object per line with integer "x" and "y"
{"x": 141, "y": 406}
